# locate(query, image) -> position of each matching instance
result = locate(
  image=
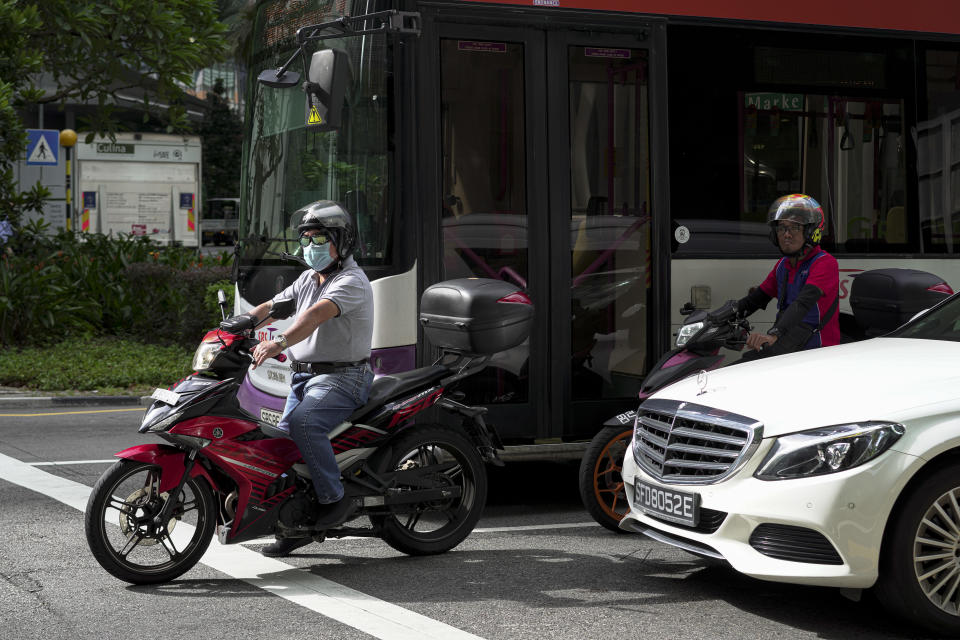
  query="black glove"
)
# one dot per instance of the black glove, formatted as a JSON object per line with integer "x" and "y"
{"x": 755, "y": 299}
{"x": 238, "y": 324}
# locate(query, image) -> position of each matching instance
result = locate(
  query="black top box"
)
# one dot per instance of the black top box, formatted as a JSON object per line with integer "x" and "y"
{"x": 475, "y": 315}
{"x": 884, "y": 299}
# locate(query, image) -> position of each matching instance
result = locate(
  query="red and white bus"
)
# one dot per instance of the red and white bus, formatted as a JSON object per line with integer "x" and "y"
{"x": 615, "y": 157}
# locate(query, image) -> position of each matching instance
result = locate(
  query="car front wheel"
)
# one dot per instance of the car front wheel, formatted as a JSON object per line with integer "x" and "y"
{"x": 920, "y": 568}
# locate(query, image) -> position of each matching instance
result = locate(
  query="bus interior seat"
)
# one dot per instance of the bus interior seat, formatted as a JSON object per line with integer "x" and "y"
{"x": 896, "y": 225}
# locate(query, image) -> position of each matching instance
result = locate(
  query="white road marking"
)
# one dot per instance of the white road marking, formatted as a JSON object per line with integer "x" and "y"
{"x": 63, "y": 463}
{"x": 343, "y": 604}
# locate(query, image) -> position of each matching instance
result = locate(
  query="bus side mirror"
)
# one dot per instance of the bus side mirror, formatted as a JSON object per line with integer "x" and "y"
{"x": 271, "y": 78}
{"x": 326, "y": 87}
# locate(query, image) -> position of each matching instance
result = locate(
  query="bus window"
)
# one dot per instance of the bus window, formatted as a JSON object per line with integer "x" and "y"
{"x": 938, "y": 154}
{"x": 484, "y": 190}
{"x": 849, "y": 152}
{"x": 609, "y": 220}
{"x": 289, "y": 165}
{"x": 218, "y": 224}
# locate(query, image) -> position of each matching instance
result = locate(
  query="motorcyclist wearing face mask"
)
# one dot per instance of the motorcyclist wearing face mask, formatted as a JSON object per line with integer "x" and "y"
{"x": 805, "y": 283}
{"x": 329, "y": 344}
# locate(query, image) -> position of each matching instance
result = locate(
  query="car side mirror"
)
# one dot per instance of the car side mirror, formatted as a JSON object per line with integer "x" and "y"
{"x": 283, "y": 308}
{"x": 326, "y": 87}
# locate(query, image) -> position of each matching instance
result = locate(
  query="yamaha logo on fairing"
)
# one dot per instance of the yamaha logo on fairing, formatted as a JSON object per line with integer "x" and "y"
{"x": 218, "y": 433}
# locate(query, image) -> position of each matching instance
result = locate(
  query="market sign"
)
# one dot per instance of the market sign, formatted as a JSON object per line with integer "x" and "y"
{"x": 768, "y": 101}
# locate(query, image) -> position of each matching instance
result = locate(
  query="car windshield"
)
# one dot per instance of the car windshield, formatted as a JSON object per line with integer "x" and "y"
{"x": 943, "y": 323}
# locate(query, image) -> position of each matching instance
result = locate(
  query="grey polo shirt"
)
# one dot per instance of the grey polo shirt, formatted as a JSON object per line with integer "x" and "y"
{"x": 345, "y": 337}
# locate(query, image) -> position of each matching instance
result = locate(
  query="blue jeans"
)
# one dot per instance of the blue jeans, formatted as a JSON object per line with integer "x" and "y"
{"x": 315, "y": 406}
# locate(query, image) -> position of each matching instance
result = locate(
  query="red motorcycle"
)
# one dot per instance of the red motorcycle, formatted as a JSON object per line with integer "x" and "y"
{"x": 419, "y": 487}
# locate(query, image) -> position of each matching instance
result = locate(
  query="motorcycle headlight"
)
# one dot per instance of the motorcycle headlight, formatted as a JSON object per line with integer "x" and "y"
{"x": 159, "y": 419}
{"x": 204, "y": 355}
{"x": 828, "y": 450}
{"x": 687, "y": 331}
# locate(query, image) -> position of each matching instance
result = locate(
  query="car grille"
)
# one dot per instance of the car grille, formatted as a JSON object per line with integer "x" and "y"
{"x": 797, "y": 544}
{"x": 682, "y": 442}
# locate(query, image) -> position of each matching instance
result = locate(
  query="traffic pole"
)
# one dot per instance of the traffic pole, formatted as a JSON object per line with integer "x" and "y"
{"x": 68, "y": 138}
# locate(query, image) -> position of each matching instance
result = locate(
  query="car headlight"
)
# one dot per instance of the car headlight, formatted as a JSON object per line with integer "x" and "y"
{"x": 687, "y": 331}
{"x": 204, "y": 355}
{"x": 827, "y": 450}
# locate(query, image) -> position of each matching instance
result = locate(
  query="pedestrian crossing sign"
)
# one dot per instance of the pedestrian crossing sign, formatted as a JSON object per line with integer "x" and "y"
{"x": 43, "y": 146}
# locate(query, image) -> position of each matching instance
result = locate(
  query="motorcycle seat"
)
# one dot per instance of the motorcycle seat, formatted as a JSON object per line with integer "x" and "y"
{"x": 390, "y": 386}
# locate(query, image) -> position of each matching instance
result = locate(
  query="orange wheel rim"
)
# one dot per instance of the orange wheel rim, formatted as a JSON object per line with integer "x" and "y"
{"x": 607, "y": 479}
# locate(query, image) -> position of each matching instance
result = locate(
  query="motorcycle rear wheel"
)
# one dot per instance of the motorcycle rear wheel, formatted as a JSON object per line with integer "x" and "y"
{"x": 137, "y": 551}
{"x": 437, "y": 526}
{"x": 601, "y": 482}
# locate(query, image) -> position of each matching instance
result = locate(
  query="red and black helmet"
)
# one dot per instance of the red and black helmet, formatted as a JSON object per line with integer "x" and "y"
{"x": 800, "y": 208}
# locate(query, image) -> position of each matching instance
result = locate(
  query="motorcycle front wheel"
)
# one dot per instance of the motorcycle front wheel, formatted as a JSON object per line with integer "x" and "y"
{"x": 601, "y": 482}
{"x": 123, "y": 536}
{"x": 447, "y": 460}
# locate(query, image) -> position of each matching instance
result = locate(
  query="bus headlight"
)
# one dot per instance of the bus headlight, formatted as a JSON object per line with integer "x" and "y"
{"x": 687, "y": 331}
{"x": 827, "y": 450}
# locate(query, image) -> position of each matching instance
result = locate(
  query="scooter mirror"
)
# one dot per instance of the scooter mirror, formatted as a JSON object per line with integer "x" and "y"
{"x": 283, "y": 308}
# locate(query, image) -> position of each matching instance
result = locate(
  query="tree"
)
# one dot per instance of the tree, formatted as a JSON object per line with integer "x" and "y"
{"x": 222, "y": 134}
{"x": 89, "y": 51}
{"x": 16, "y": 62}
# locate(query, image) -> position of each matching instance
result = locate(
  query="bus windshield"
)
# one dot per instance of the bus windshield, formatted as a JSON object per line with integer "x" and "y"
{"x": 288, "y": 165}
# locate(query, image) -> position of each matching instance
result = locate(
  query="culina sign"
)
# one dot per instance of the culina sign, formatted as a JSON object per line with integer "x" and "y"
{"x": 115, "y": 147}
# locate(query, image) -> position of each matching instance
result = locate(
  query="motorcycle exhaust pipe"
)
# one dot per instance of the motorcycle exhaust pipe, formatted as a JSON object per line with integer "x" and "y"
{"x": 229, "y": 510}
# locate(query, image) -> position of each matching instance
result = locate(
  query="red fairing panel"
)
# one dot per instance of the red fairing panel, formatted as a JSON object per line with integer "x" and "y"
{"x": 170, "y": 460}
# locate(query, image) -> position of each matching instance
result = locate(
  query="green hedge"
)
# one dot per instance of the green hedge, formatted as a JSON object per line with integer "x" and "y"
{"x": 53, "y": 287}
{"x": 108, "y": 365}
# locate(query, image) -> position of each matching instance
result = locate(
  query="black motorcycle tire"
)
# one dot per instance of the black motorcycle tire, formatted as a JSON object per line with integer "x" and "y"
{"x": 601, "y": 483}
{"x": 98, "y": 532}
{"x": 419, "y": 445}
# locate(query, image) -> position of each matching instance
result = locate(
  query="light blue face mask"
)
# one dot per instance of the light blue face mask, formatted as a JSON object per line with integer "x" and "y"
{"x": 318, "y": 256}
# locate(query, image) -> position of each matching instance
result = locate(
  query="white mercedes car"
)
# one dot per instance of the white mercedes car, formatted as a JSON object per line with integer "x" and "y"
{"x": 836, "y": 467}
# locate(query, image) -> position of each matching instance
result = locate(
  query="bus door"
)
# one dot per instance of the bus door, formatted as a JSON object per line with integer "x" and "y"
{"x": 544, "y": 154}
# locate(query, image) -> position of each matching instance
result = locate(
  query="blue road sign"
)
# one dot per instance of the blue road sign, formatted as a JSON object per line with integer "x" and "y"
{"x": 43, "y": 146}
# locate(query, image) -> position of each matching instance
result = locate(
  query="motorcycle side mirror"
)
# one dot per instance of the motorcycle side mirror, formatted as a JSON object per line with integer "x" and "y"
{"x": 687, "y": 309}
{"x": 283, "y": 308}
{"x": 222, "y": 302}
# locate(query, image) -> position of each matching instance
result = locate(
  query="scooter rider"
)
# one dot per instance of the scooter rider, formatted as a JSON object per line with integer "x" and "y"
{"x": 329, "y": 343}
{"x": 805, "y": 282}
